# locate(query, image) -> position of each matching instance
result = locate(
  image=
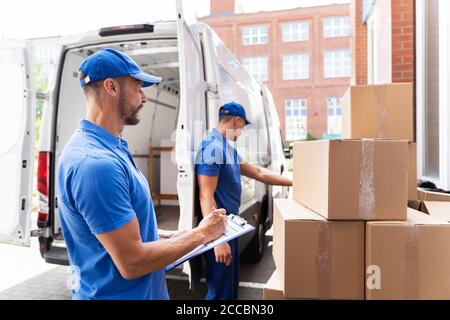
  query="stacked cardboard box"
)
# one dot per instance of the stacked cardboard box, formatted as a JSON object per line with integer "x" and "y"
{"x": 352, "y": 179}
{"x": 438, "y": 209}
{"x": 409, "y": 259}
{"x": 349, "y": 215}
{"x": 378, "y": 111}
{"x": 316, "y": 258}
{"x": 425, "y": 195}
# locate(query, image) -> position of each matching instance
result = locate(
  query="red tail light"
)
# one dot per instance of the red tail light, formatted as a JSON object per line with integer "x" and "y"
{"x": 43, "y": 179}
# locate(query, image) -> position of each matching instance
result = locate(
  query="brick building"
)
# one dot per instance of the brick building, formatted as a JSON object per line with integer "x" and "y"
{"x": 384, "y": 41}
{"x": 302, "y": 54}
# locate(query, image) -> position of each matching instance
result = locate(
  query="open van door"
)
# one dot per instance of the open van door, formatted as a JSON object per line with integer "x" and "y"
{"x": 17, "y": 142}
{"x": 277, "y": 159}
{"x": 190, "y": 128}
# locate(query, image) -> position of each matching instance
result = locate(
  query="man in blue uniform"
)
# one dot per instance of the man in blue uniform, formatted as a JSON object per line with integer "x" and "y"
{"x": 107, "y": 214}
{"x": 219, "y": 168}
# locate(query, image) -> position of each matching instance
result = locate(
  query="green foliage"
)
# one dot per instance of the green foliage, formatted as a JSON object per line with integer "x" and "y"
{"x": 310, "y": 137}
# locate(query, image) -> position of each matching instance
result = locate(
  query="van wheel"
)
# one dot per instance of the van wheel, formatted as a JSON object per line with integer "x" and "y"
{"x": 255, "y": 249}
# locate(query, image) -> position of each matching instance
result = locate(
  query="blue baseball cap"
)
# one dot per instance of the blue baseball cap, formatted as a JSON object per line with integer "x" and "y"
{"x": 233, "y": 109}
{"x": 110, "y": 63}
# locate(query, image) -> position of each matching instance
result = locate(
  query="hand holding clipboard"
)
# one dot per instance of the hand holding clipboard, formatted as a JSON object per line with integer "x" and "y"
{"x": 236, "y": 227}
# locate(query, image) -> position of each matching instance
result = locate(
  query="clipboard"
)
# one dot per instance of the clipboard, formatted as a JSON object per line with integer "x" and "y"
{"x": 236, "y": 227}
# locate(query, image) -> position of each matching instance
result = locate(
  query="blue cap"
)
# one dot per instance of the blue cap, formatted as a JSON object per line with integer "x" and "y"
{"x": 110, "y": 63}
{"x": 233, "y": 109}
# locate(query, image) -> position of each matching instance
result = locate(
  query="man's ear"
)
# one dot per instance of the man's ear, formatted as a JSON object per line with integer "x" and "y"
{"x": 236, "y": 122}
{"x": 111, "y": 87}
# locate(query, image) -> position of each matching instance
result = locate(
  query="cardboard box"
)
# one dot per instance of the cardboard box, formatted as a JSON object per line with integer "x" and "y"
{"x": 316, "y": 258}
{"x": 412, "y": 171}
{"x": 352, "y": 179}
{"x": 378, "y": 111}
{"x": 425, "y": 195}
{"x": 414, "y": 204}
{"x": 273, "y": 289}
{"x": 408, "y": 260}
{"x": 437, "y": 209}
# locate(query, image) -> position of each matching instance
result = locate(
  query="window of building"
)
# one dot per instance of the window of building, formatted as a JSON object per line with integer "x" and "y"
{"x": 254, "y": 35}
{"x": 296, "y": 31}
{"x": 336, "y": 27}
{"x": 334, "y": 118}
{"x": 296, "y": 126}
{"x": 337, "y": 64}
{"x": 296, "y": 66}
{"x": 257, "y": 67}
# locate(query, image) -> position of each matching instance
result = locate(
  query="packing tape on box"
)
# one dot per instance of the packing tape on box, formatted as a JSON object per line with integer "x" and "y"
{"x": 412, "y": 266}
{"x": 323, "y": 261}
{"x": 366, "y": 185}
{"x": 381, "y": 110}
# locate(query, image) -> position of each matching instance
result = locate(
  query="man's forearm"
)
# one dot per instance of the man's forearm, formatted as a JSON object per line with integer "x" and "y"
{"x": 167, "y": 234}
{"x": 157, "y": 254}
{"x": 205, "y": 204}
{"x": 277, "y": 180}
{"x": 271, "y": 178}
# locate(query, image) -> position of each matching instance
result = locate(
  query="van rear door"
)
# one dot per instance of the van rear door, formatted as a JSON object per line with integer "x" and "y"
{"x": 277, "y": 159}
{"x": 17, "y": 142}
{"x": 190, "y": 127}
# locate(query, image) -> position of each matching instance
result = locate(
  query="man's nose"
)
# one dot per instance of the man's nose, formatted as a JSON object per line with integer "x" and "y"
{"x": 143, "y": 97}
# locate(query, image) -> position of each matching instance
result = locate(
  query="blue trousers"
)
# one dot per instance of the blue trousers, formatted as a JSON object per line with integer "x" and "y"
{"x": 222, "y": 281}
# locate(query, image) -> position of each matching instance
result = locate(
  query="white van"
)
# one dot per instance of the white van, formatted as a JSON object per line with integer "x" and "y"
{"x": 199, "y": 75}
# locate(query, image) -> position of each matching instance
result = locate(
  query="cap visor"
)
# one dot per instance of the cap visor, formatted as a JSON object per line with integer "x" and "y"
{"x": 147, "y": 79}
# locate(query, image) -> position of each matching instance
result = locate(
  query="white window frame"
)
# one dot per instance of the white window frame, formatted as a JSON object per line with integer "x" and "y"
{"x": 289, "y": 68}
{"x": 342, "y": 66}
{"x": 371, "y": 49}
{"x": 333, "y": 28}
{"x": 444, "y": 96}
{"x": 335, "y": 118}
{"x": 257, "y": 67}
{"x": 289, "y": 35}
{"x": 259, "y": 34}
{"x": 302, "y": 105}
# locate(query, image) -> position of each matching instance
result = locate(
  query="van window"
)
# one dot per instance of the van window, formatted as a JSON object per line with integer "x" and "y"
{"x": 237, "y": 85}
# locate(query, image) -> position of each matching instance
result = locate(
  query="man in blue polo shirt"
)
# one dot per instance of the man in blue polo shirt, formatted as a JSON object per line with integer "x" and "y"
{"x": 219, "y": 168}
{"x": 107, "y": 214}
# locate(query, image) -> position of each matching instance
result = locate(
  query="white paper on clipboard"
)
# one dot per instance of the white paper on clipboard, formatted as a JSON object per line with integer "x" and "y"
{"x": 236, "y": 227}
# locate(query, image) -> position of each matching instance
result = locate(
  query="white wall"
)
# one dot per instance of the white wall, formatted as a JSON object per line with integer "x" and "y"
{"x": 380, "y": 47}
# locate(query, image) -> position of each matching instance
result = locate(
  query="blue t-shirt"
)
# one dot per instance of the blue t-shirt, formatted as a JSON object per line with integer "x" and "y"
{"x": 217, "y": 158}
{"x": 101, "y": 189}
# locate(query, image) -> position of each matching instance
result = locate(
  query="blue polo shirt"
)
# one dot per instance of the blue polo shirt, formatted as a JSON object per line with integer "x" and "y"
{"x": 101, "y": 189}
{"x": 218, "y": 158}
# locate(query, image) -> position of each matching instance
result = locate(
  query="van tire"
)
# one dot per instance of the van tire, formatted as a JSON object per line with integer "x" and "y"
{"x": 255, "y": 249}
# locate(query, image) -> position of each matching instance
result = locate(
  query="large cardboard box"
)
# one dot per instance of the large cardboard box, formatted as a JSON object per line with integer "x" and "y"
{"x": 352, "y": 179}
{"x": 378, "y": 111}
{"x": 408, "y": 260}
{"x": 437, "y": 209}
{"x": 425, "y": 195}
{"x": 412, "y": 171}
{"x": 316, "y": 258}
{"x": 273, "y": 289}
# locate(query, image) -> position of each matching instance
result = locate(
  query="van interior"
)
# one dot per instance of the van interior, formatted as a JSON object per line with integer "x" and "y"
{"x": 155, "y": 130}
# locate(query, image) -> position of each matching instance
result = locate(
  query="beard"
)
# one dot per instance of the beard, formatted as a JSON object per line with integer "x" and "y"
{"x": 129, "y": 115}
